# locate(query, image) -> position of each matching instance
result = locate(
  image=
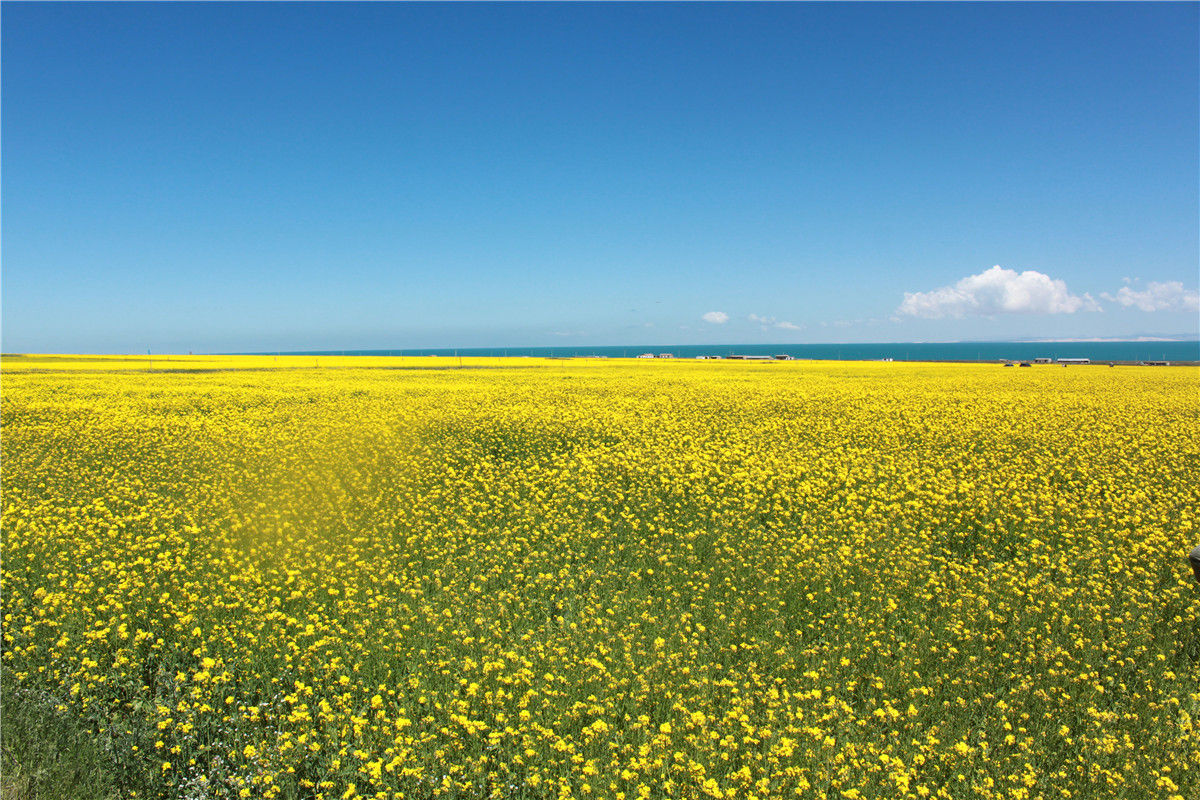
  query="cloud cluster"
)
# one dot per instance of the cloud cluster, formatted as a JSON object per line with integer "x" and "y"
{"x": 771, "y": 322}
{"x": 1169, "y": 296}
{"x": 716, "y": 317}
{"x": 997, "y": 291}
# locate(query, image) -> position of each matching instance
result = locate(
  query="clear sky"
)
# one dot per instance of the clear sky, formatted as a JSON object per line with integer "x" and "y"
{"x": 292, "y": 176}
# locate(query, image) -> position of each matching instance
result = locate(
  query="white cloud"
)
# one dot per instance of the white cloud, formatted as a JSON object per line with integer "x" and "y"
{"x": 716, "y": 317}
{"x": 997, "y": 291}
{"x": 1169, "y": 296}
{"x": 766, "y": 322}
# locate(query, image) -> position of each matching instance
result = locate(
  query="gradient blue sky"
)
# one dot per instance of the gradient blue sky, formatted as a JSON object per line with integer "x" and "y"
{"x": 293, "y": 176}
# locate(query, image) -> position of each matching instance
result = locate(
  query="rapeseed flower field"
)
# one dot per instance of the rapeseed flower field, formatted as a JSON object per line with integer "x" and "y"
{"x": 402, "y": 578}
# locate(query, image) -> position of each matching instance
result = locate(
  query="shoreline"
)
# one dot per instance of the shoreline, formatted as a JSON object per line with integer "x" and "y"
{"x": 178, "y": 359}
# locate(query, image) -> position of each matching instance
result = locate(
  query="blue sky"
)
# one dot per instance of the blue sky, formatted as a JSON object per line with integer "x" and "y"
{"x": 293, "y": 176}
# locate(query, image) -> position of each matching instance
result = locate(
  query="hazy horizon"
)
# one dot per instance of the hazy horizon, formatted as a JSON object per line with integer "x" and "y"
{"x": 635, "y": 348}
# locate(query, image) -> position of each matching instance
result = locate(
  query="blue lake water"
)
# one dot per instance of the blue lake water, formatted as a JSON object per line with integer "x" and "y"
{"x": 932, "y": 351}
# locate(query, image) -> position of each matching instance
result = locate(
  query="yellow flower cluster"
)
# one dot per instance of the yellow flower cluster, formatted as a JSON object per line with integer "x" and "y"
{"x": 369, "y": 577}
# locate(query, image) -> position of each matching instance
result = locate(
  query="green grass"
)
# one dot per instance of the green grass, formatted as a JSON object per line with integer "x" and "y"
{"x": 47, "y": 755}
